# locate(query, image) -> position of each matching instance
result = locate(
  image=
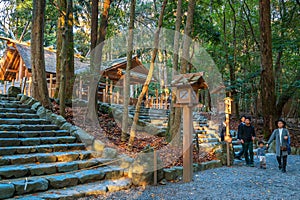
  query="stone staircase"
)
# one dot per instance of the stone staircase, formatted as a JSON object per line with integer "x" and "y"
{"x": 206, "y": 133}
{"x": 40, "y": 161}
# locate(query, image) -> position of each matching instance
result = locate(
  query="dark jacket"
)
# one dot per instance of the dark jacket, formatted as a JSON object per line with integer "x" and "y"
{"x": 240, "y": 129}
{"x": 246, "y": 133}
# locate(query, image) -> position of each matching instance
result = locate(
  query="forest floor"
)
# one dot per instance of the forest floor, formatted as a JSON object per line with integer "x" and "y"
{"x": 236, "y": 182}
{"x": 109, "y": 132}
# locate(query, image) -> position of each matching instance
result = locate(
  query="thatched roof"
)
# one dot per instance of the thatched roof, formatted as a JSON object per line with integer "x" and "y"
{"x": 195, "y": 80}
{"x": 50, "y": 59}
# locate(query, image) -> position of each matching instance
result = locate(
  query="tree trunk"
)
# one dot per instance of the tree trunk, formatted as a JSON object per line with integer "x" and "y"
{"x": 175, "y": 113}
{"x": 66, "y": 58}
{"x": 187, "y": 37}
{"x": 148, "y": 79}
{"x": 70, "y": 52}
{"x": 95, "y": 64}
{"x": 126, "y": 85}
{"x": 62, "y": 4}
{"x": 267, "y": 74}
{"x": 40, "y": 89}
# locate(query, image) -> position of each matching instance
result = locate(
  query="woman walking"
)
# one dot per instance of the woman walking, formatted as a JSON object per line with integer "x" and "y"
{"x": 280, "y": 135}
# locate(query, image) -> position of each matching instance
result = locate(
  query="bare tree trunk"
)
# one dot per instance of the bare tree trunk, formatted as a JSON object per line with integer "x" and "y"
{"x": 40, "y": 89}
{"x": 187, "y": 37}
{"x": 67, "y": 57}
{"x": 148, "y": 79}
{"x": 175, "y": 113}
{"x": 127, "y": 73}
{"x": 267, "y": 74}
{"x": 70, "y": 52}
{"x": 62, "y": 5}
{"x": 95, "y": 67}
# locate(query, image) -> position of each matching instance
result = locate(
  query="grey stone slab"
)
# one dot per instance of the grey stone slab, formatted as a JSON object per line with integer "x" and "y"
{"x": 46, "y": 158}
{"x": 44, "y": 148}
{"x": 85, "y": 155}
{"x": 61, "y": 133}
{"x": 47, "y": 127}
{"x": 67, "y": 167}
{"x": 76, "y": 146}
{"x": 30, "y": 141}
{"x": 90, "y": 175}
{"x": 66, "y": 139}
{"x": 87, "y": 163}
{"x": 4, "y": 127}
{"x": 61, "y": 181}
{"x": 7, "y": 151}
{"x": 6, "y": 190}
{"x": 32, "y": 185}
{"x": 8, "y": 134}
{"x": 13, "y": 171}
{"x": 60, "y": 147}
{"x": 4, "y": 161}
{"x": 117, "y": 185}
{"x": 49, "y": 140}
{"x": 25, "y": 150}
{"x": 67, "y": 157}
{"x": 4, "y": 142}
{"x": 26, "y": 127}
{"x": 41, "y": 169}
{"x": 113, "y": 172}
{"x": 22, "y": 159}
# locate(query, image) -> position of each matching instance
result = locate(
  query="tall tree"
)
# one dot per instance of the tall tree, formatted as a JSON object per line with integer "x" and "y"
{"x": 267, "y": 73}
{"x": 96, "y": 63}
{"x": 66, "y": 59}
{"x": 40, "y": 89}
{"x": 126, "y": 85}
{"x": 65, "y": 32}
{"x": 149, "y": 77}
{"x": 70, "y": 51}
{"x": 175, "y": 114}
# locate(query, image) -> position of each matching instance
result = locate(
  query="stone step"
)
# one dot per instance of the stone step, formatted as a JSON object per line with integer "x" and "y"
{"x": 7, "y": 98}
{"x": 13, "y": 105}
{"x": 31, "y": 170}
{"x": 83, "y": 190}
{"x": 19, "y": 116}
{"x": 47, "y": 148}
{"x": 13, "y": 121}
{"x": 5, "y": 142}
{"x": 63, "y": 180}
{"x": 44, "y": 157}
{"x": 26, "y": 127}
{"x": 17, "y": 110}
{"x": 208, "y": 140}
{"x": 30, "y": 134}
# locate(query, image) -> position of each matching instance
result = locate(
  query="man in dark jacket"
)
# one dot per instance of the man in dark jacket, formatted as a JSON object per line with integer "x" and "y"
{"x": 241, "y": 152}
{"x": 247, "y": 136}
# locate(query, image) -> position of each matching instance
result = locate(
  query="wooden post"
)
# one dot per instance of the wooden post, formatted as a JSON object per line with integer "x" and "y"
{"x": 51, "y": 85}
{"x": 151, "y": 103}
{"x": 4, "y": 87}
{"x": 155, "y": 167}
{"x": 187, "y": 144}
{"x": 161, "y": 101}
{"x": 29, "y": 86}
{"x": 13, "y": 83}
{"x": 106, "y": 89}
{"x": 118, "y": 97}
{"x": 166, "y": 100}
{"x": 103, "y": 95}
{"x": 111, "y": 92}
{"x": 227, "y": 140}
{"x": 80, "y": 87}
{"x": 156, "y": 95}
{"x": 147, "y": 99}
{"x": 21, "y": 75}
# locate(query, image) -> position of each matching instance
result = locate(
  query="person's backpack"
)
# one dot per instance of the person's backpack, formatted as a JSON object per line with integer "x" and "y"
{"x": 289, "y": 150}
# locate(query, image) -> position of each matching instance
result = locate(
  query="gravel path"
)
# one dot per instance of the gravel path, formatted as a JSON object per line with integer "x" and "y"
{"x": 237, "y": 182}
